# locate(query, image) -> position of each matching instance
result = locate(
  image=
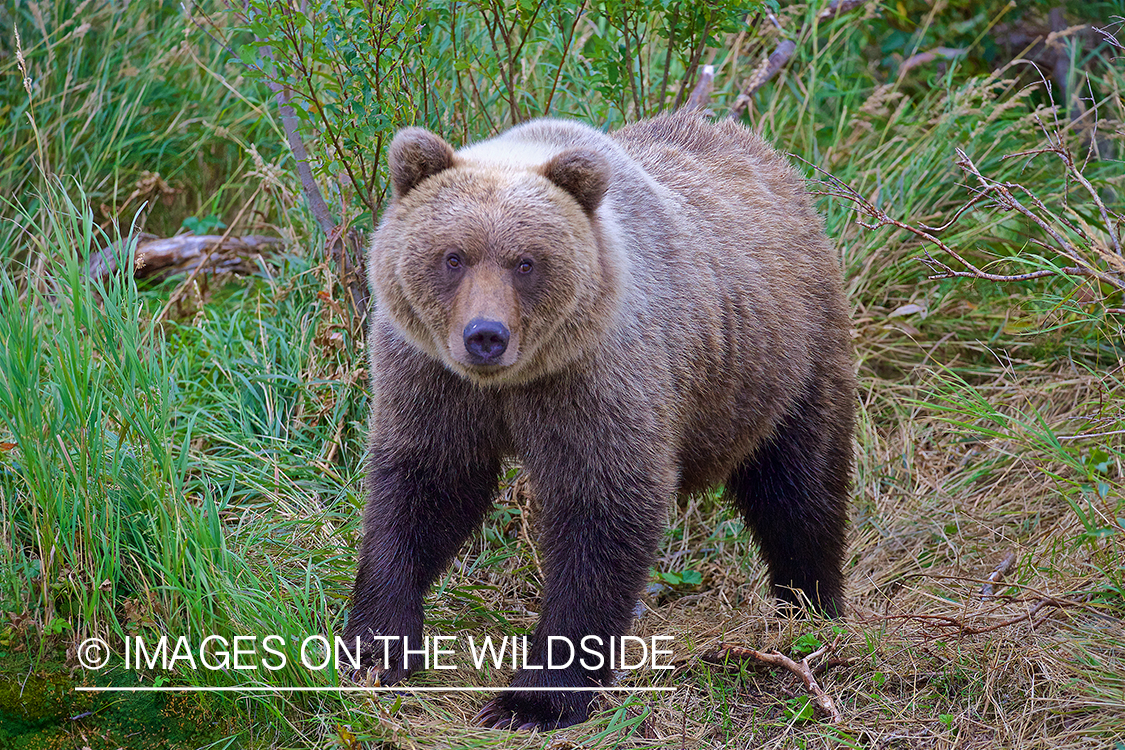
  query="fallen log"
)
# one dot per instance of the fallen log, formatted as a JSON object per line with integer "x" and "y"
{"x": 166, "y": 256}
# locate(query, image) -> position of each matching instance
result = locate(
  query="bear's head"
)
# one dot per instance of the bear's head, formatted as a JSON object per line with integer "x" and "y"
{"x": 500, "y": 268}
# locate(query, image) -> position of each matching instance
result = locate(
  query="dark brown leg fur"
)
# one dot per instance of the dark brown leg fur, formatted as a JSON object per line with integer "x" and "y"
{"x": 418, "y": 515}
{"x": 433, "y": 466}
{"x": 793, "y": 494}
{"x": 601, "y": 514}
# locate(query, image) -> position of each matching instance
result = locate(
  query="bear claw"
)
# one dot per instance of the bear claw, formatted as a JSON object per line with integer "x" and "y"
{"x": 495, "y": 716}
{"x": 498, "y": 713}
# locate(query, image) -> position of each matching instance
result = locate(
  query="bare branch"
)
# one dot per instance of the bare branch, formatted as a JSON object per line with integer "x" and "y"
{"x": 822, "y": 700}
{"x": 1004, "y": 198}
{"x": 1088, "y": 435}
{"x": 566, "y": 50}
{"x": 946, "y": 621}
{"x": 1110, "y": 36}
{"x": 1002, "y": 570}
{"x": 701, "y": 94}
{"x": 1068, "y": 160}
{"x": 694, "y": 64}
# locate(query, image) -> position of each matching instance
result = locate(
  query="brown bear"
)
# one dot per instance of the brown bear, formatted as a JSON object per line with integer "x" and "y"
{"x": 630, "y": 315}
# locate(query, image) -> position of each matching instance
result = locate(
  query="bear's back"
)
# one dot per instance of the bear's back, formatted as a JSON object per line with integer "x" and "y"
{"x": 744, "y": 268}
{"x": 733, "y": 185}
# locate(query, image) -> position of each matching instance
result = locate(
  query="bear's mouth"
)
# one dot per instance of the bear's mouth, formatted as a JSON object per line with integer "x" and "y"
{"x": 476, "y": 371}
{"x": 488, "y": 376}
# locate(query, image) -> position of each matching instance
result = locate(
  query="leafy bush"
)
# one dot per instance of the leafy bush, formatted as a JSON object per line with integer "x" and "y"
{"x": 355, "y": 71}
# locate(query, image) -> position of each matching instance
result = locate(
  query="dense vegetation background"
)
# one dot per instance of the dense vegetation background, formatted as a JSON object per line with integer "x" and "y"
{"x": 181, "y": 453}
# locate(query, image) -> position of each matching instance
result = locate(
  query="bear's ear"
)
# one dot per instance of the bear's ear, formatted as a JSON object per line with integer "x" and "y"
{"x": 416, "y": 154}
{"x": 582, "y": 173}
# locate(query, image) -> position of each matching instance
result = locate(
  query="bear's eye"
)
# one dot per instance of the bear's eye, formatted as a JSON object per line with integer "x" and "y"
{"x": 524, "y": 266}
{"x": 453, "y": 260}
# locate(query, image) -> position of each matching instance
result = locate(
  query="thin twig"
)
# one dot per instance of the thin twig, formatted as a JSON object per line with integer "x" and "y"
{"x": 694, "y": 64}
{"x": 822, "y": 700}
{"x": 998, "y": 574}
{"x": 668, "y": 53}
{"x": 1086, "y": 435}
{"x": 1002, "y": 193}
{"x": 1068, "y": 160}
{"x": 963, "y": 629}
{"x": 566, "y": 50}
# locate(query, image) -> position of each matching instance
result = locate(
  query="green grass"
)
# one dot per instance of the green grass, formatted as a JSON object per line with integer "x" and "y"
{"x": 200, "y": 471}
{"x": 118, "y": 94}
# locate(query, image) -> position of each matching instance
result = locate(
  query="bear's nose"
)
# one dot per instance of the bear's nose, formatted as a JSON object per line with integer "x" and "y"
{"x": 486, "y": 340}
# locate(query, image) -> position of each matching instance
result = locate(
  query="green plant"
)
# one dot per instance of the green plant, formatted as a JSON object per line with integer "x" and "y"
{"x": 798, "y": 710}
{"x": 204, "y": 225}
{"x": 805, "y": 645}
{"x": 685, "y": 577}
{"x": 355, "y": 72}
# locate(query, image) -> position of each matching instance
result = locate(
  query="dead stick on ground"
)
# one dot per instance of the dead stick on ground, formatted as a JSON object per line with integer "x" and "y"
{"x": 821, "y": 699}
{"x": 203, "y": 263}
{"x": 946, "y": 621}
{"x": 182, "y": 253}
{"x": 1002, "y": 570}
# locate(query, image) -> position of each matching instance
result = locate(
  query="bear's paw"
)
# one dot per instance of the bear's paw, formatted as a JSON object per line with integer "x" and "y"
{"x": 534, "y": 711}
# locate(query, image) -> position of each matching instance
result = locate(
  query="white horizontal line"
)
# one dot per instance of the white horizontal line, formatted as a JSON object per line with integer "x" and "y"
{"x": 394, "y": 689}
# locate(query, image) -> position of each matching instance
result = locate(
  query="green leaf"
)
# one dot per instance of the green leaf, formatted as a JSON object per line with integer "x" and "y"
{"x": 805, "y": 645}
{"x": 691, "y": 577}
{"x": 1100, "y": 461}
{"x": 248, "y": 55}
{"x": 206, "y": 225}
{"x": 57, "y": 626}
{"x": 798, "y": 710}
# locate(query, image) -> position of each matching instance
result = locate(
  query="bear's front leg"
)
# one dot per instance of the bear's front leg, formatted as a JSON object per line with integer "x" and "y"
{"x": 602, "y": 488}
{"x": 433, "y": 466}
{"x": 418, "y": 514}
